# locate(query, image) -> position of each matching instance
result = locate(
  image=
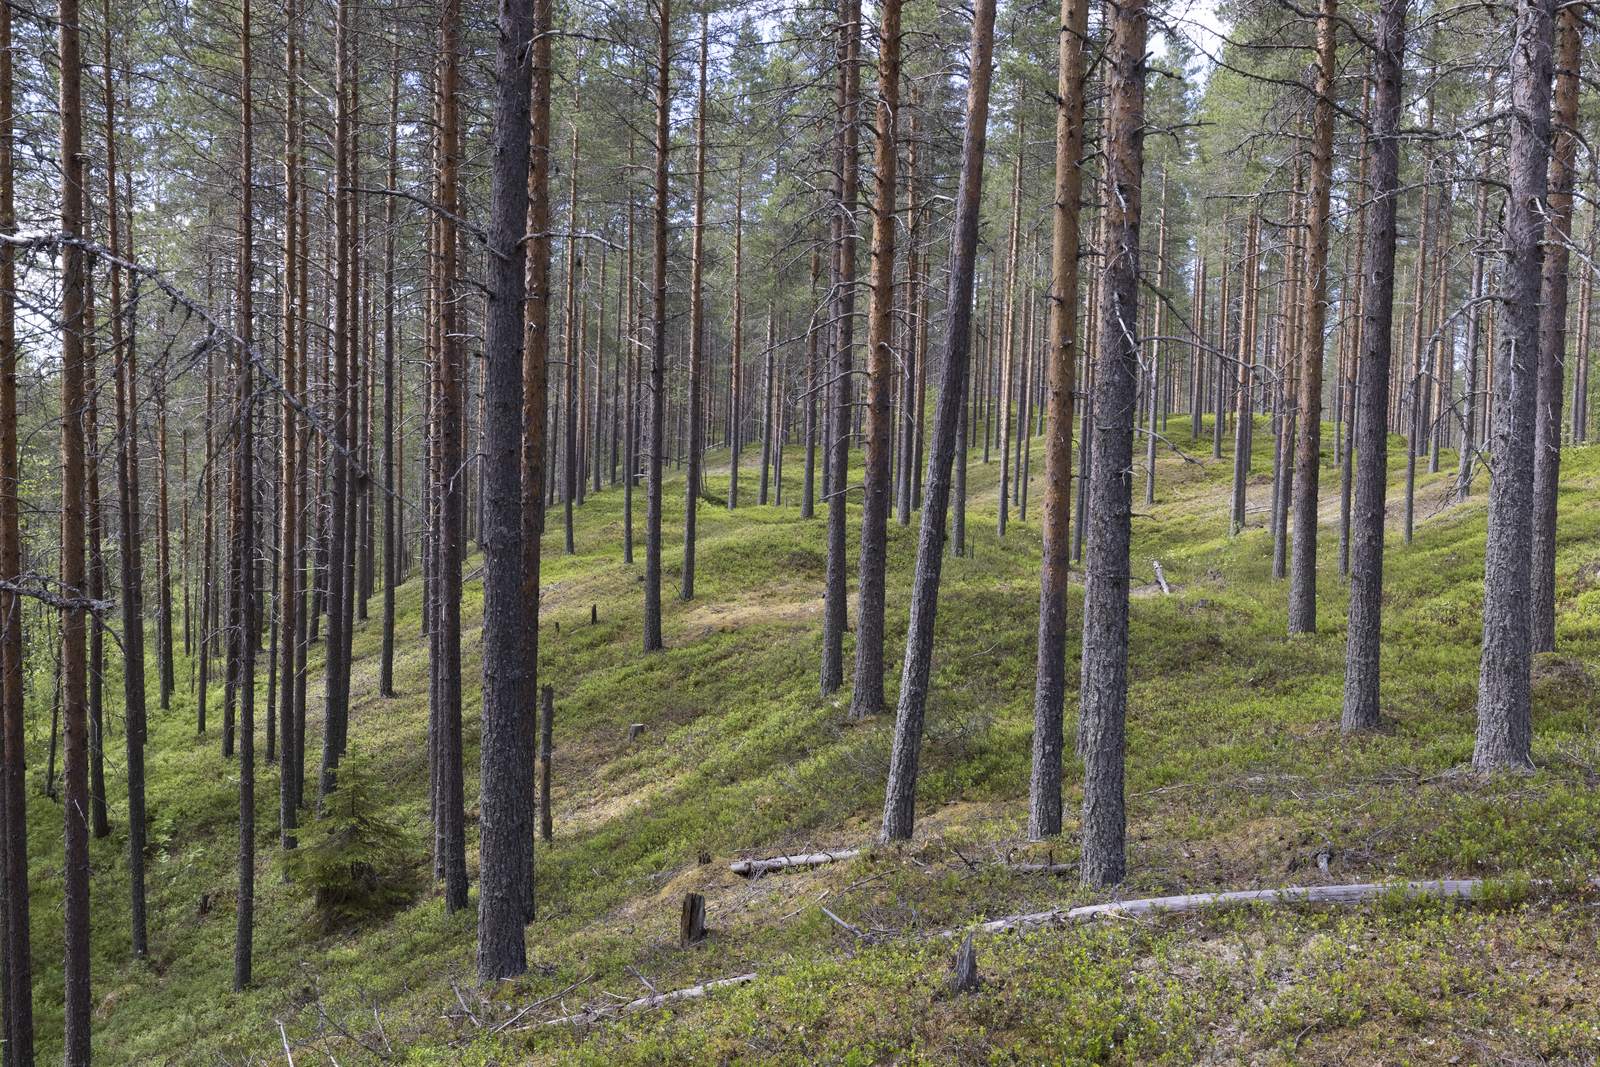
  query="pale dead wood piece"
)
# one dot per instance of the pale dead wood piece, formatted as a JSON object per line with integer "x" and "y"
{"x": 778, "y": 863}
{"x": 964, "y": 977}
{"x": 841, "y": 922}
{"x": 1046, "y": 868}
{"x": 1321, "y": 894}
{"x": 1160, "y": 577}
{"x": 594, "y": 1015}
{"x": 643, "y": 979}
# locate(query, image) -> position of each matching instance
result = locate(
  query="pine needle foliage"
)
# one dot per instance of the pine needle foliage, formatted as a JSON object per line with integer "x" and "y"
{"x": 353, "y": 863}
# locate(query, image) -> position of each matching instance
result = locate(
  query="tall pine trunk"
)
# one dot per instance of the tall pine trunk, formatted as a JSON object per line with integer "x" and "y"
{"x": 847, "y": 101}
{"x": 1475, "y": 318}
{"x": 867, "y": 696}
{"x": 1362, "y": 642}
{"x": 1105, "y": 611}
{"x": 697, "y": 326}
{"x": 243, "y": 534}
{"x": 1308, "y": 462}
{"x": 391, "y": 547}
{"x": 14, "y": 909}
{"x": 1553, "y": 331}
{"x": 291, "y": 621}
{"x": 131, "y": 576}
{"x": 1505, "y": 717}
{"x": 75, "y": 614}
{"x": 899, "y": 809}
{"x": 535, "y": 382}
{"x": 658, "y": 336}
{"x": 1044, "y": 786}
{"x": 505, "y": 759}
{"x": 451, "y": 818}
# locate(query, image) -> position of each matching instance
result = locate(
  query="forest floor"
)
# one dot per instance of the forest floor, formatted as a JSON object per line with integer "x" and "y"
{"x": 1238, "y": 778}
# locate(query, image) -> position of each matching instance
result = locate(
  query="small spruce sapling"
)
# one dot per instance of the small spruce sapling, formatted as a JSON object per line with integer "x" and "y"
{"x": 354, "y": 862}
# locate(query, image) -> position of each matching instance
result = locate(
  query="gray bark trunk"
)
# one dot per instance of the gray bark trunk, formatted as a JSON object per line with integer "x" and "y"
{"x": 1505, "y": 719}
{"x": 899, "y": 809}
{"x": 504, "y": 758}
{"x": 1105, "y": 611}
{"x": 1372, "y": 388}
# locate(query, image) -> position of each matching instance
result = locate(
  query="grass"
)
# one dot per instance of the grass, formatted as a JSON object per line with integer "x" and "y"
{"x": 1237, "y": 778}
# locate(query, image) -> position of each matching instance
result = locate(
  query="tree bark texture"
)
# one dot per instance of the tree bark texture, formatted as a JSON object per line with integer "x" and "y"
{"x": 1044, "y": 786}
{"x": 1553, "y": 330}
{"x": 74, "y": 647}
{"x": 535, "y": 383}
{"x": 14, "y": 904}
{"x": 243, "y": 534}
{"x": 1308, "y": 462}
{"x": 505, "y": 758}
{"x": 899, "y": 810}
{"x": 1105, "y": 612}
{"x": 697, "y": 327}
{"x": 835, "y": 608}
{"x": 1363, "y": 640}
{"x": 658, "y": 338}
{"x": 1505, "y": 718}
{"x": 867, "y": 694}
{"x": 451, "y": 813}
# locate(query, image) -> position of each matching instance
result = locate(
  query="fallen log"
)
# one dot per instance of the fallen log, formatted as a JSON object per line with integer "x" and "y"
{"x": 749, "y": 868}
{"x": 1316, "y": 894}
{"x": 590, "y": 1016}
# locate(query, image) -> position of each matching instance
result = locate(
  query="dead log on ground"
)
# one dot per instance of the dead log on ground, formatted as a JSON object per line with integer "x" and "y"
{"x": 779, "y": 863}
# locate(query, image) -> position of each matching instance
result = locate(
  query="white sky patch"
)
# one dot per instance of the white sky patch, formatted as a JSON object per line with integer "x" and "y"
{"x": 1197, "y": 21}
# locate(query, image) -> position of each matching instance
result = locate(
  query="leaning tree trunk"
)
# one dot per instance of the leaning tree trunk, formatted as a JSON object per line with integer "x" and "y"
{"x": 1505, "y": 718}
{"x": 1105, "y": 610}
{"x": 899, "y": 809}
{"x": 505, "y": 764}
{"x": 867, "y": 695}
{"x": 1372, "y": 390}
{"x": 1044, "y": 787}
{"x": 1553, "y": 332}
{"x": 1308, "y": 462}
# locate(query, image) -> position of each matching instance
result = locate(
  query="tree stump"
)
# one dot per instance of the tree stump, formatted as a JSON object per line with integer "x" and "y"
{"x": 594, "y": 614}
{"x": 692, "y": 925}
{"x": 964, "y": 977}
{"x": 635, "y": 730}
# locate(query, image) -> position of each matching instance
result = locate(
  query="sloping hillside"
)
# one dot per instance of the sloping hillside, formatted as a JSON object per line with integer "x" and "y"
{"x": 1237, "y": 778}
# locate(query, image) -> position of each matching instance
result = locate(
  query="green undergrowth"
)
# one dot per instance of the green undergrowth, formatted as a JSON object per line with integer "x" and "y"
{"x": 1237, "y": 778}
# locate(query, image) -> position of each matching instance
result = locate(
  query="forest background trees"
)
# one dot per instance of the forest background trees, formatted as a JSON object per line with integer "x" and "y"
{"x": 358, "y": 331}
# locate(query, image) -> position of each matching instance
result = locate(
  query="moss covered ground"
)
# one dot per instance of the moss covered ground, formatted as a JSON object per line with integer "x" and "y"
{"x": 1238, "y": 778}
